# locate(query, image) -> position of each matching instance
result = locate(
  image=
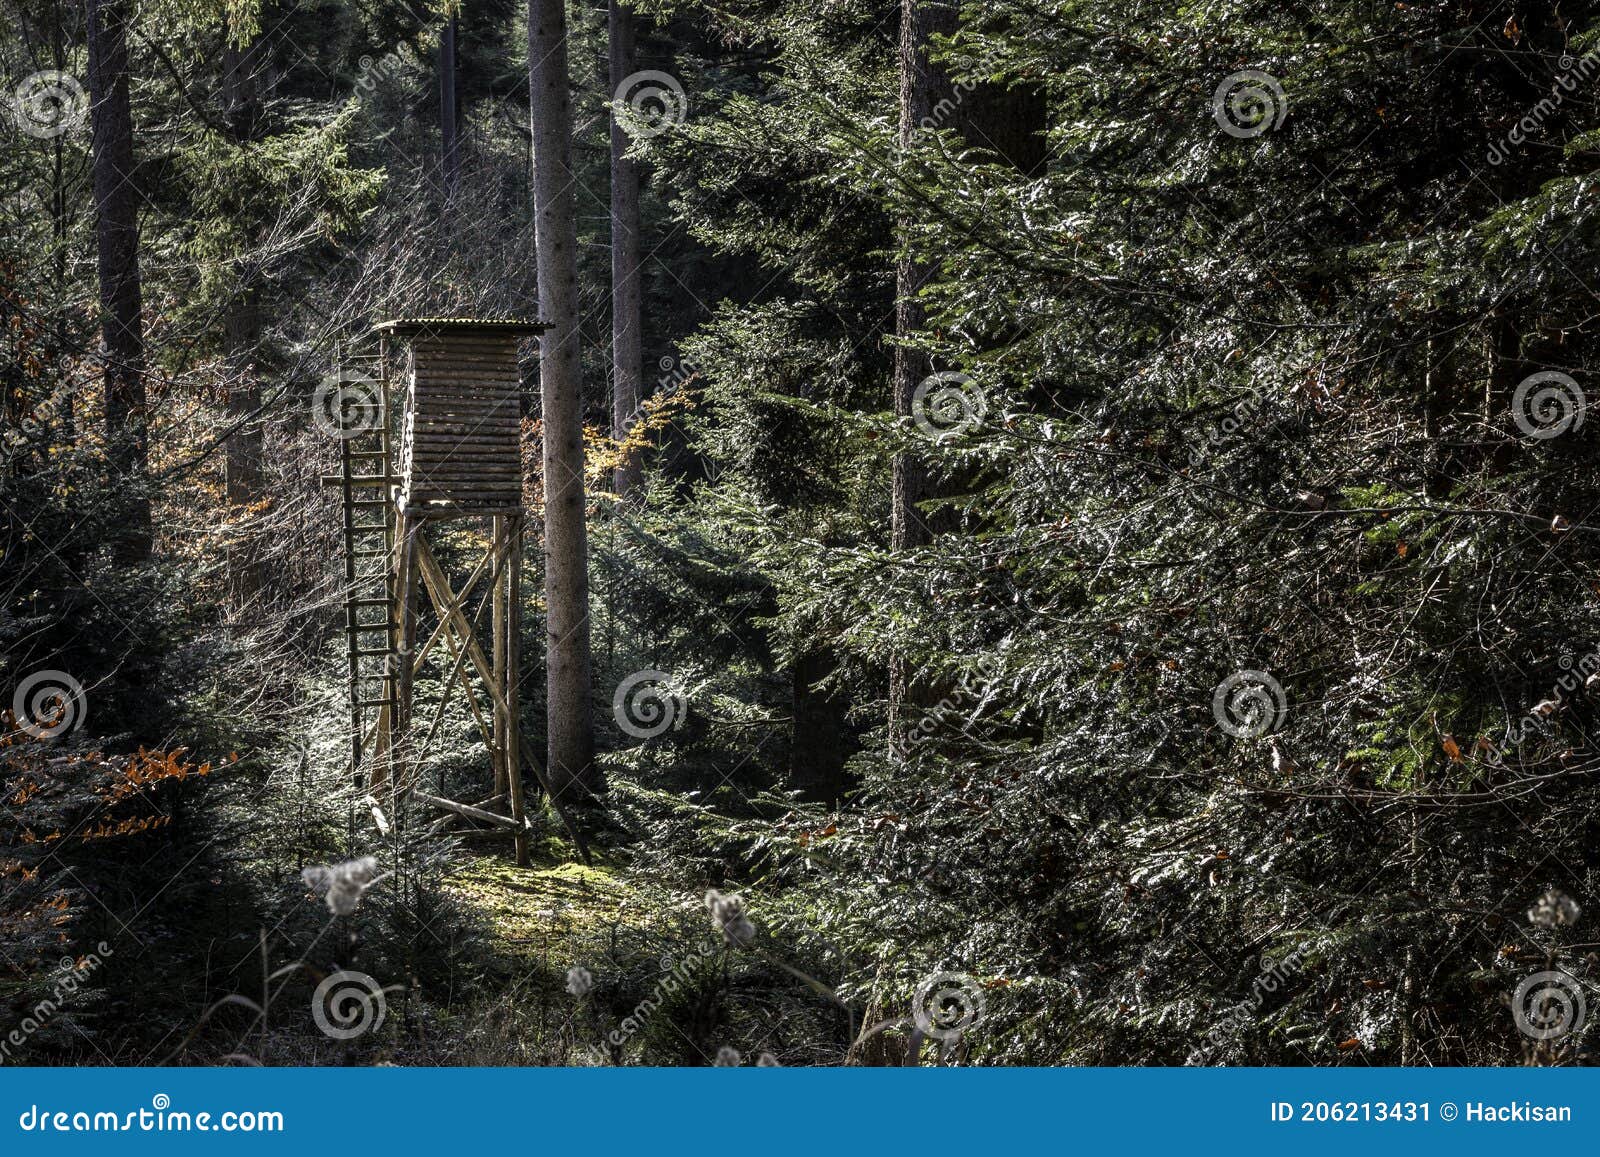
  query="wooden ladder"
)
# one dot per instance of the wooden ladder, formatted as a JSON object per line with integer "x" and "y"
{"x": 367, "y": 481}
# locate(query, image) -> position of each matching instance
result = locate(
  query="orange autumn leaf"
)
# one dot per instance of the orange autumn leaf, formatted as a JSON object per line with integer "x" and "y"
{"x": 1451, "y": 747}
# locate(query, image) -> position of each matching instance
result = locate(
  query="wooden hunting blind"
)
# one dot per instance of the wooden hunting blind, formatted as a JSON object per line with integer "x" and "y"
{"x": 460, "y": 447}
{"x": 460, "y": 458}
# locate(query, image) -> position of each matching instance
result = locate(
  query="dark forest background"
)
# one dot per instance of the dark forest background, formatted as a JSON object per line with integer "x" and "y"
{"x": 1111, "y": 510}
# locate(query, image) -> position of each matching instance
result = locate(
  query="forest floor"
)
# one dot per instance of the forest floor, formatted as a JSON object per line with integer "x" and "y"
{"x": 615, "y": 963}
{"x": 527, "y": 910}
{"x": 637, "y": 942}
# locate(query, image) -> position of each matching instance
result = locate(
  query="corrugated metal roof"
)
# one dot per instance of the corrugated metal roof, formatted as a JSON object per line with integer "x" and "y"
{"x": 409, "y": 325}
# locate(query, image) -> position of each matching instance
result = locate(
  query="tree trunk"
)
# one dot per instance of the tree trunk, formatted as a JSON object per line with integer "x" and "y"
{"x": 450, "y": 162}
{"x": 571, "y": 735}
{"x": 116, "y": 202}
{"x": 242, "y": 336}
{"x": 922, "y": 86}
{"x": 626, "y": 350}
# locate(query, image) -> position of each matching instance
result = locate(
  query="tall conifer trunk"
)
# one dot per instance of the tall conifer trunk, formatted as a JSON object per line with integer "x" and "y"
{"x": 571, "y": 733}
{"x": 116, "y": 202}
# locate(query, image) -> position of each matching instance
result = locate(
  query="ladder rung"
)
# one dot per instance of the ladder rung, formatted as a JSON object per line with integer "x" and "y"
{"x": 375, "y": 703}
{"x": 369, "y": 502}
{"x": 359, "y": 602}
{"x": 370, "y": 654}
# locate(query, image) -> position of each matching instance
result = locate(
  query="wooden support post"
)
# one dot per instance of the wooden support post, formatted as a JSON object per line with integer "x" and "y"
{"x": 409, "y": 533}
{"x": 513, "y": 656}
{"x": 503, "y": 723}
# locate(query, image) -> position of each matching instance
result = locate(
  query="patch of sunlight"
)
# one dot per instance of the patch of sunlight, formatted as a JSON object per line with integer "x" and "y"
{"x": 527, "y": 908}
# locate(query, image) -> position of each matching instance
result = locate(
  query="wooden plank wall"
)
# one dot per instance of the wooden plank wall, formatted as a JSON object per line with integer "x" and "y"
{"x": 460, "y": 451}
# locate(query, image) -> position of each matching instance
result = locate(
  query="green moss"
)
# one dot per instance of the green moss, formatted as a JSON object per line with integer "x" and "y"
{"x": 527, "y": 908}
